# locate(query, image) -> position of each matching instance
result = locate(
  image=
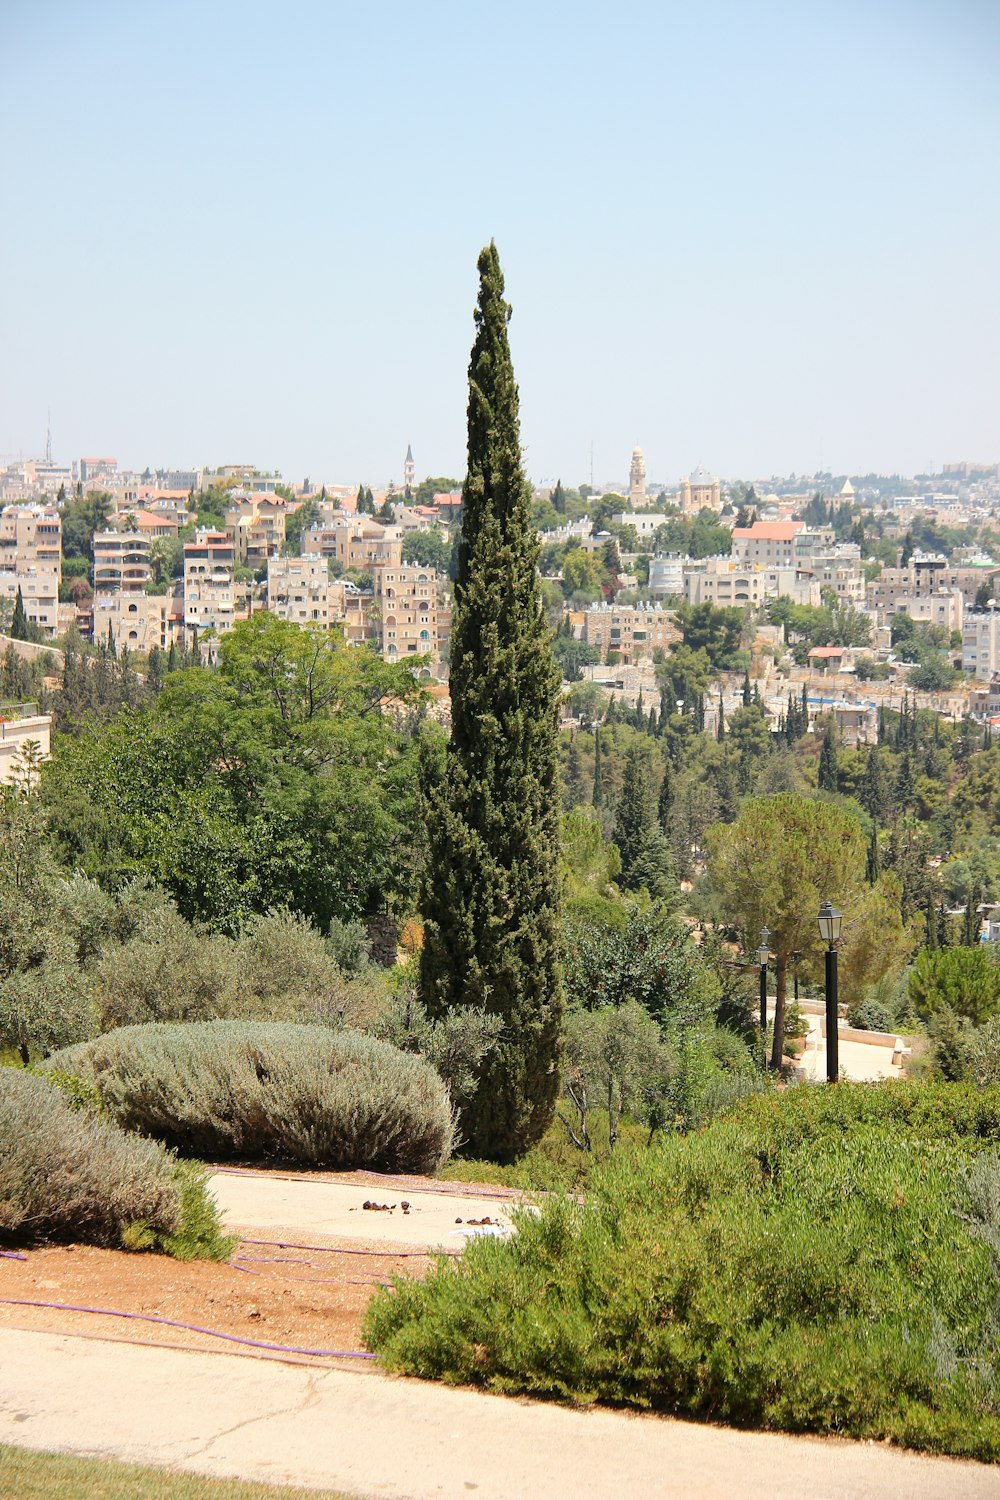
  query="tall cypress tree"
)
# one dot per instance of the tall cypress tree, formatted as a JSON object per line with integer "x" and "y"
{"x": 598, "y": 797}
{"x": 490, "y": 896}
{"x": 19, "y": 625}
{"x": 829, "y": 781}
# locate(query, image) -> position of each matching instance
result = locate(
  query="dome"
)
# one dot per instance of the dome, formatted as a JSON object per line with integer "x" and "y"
{"x": 636, "y": 452}
{"x": 848, "y": 488}
{"x": 700, "y": 475}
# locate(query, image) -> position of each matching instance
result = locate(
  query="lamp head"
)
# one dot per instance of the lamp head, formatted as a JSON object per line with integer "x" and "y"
{"x": 829, "y": 920}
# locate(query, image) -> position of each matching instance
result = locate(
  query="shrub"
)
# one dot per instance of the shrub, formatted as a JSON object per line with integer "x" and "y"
{"x": 982, "y": 1053}
{"x": 964, "y": 980}
{"x": 287, "y": 971}
{"x": 65, "y": 1173}
{"x": 259, "y": 1090}
{"x": 802, "y": 1265}
{"x": 871, "y": 1015}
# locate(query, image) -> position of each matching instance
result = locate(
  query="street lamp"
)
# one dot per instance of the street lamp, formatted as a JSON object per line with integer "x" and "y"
{"x": 763, "y": 953}
{"x": 829, "y": 920}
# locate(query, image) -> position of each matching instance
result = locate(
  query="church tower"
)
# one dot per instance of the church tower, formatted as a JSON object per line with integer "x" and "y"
{"x": 637, "y": 480}
{"x": 408, "y": 471}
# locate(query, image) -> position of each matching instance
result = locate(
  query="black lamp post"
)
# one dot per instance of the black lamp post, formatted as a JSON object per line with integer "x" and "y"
{"x": 829, "y": 926}
{"x": 763, "y": 953}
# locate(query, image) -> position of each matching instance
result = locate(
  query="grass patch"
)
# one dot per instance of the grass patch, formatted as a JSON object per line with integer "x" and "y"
{"x": 50, "y": 1476}
{"x": 817, "y": 1263}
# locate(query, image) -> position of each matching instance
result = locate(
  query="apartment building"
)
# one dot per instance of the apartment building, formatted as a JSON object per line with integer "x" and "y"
{"x": 981, "y": 643}
{"x": 407, "y": 601}
{"x": 770, "y": 544}
{"x": 299, "y": 590}
{"x": 945, "y": 607}
{"x": 22, "y": 729}
{"x": 356, "y": 542}
{"x": 31, "y": 560}
{"x": 209, "y": 589}
{"x": 256, "y": 525}
{"x": 723, "y": 582}
{"x": 138, "y": 621}
{"x": 121, "y": 562}
{"x": 633, "y": 630}
{"x": 929, "y": 573}
{"x": 666, "y": 576}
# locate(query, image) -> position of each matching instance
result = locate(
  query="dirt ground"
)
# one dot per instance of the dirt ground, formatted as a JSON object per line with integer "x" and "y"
{"x": 270, "y": 1292}
{"x": 303, "y": 1299}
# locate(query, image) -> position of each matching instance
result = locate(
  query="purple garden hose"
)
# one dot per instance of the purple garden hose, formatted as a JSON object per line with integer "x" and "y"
{"x": 232, "y": 1338}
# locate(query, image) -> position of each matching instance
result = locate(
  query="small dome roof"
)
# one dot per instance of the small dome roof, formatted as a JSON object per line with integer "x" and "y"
{"x": 848, "y": 488}
{"x": 700, "y": 475}
{"x": 637, "y": 451}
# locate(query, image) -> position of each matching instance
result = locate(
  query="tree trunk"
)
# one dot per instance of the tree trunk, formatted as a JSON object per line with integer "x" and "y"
{"x": 777, "y": 1046}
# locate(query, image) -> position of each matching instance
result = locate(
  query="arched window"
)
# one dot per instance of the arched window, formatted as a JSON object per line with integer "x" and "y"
{"x": 425, "y": 635}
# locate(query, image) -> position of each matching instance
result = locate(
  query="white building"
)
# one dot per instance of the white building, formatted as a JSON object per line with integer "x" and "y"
{"x": 981, "y": 643}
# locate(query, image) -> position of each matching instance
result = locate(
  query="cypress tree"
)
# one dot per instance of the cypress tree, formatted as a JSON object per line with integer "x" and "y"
{"x": 666, "y": 798}
{"x": 872, "y": 863}
{"x": 829, "y": 781}
{"x": 490, "y": 893}
{"x": 19, "y": 626}
{"x": 574, "y": 776}
{"x": 747, "y": 694}
{"x": 598, "y": 797}
{"x": 720, "y": 733}
{"x": 653, "y": 723}
{"x": 903, "y": 789}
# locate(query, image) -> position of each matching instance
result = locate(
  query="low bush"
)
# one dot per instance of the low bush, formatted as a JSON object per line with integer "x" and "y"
{"x": 871, "y": 1015}
{"x": 258, "y": 1090}
{"x": 810, "y": 1264}
{"x": 68, "y": 1174}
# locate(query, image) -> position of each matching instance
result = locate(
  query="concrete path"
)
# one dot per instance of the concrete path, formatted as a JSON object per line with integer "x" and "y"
{"x": 860, "y": 1061}
{"x": 369, "y": 1435}
{"x": 286, "y": 1207}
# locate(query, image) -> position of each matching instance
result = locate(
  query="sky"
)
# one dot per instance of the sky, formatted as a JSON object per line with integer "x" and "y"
{"x": 756, "y": 235}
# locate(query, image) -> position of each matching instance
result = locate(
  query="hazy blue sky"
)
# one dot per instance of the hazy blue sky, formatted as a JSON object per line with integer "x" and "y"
{"x": 762, "y": 236}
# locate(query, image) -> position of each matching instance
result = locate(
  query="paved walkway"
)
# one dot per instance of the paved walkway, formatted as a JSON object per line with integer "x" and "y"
{"x": 259, "y": 1202}
{"x": 369, "y": 1435}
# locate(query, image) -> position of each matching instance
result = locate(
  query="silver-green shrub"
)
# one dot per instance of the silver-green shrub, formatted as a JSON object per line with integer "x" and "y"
{"x": 271, "y": 1090}
{"x": 64, "y": 1172}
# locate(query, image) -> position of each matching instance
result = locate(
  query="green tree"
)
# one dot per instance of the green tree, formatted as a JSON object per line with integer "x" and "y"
{"x": 773, "y": 867}
{"x": 829, "y": 780}
{"x": 645, "y": 858}
{"x": 491, "y": 895}
{"x": 875, "y": 793}
{"x": 431, "y": 549}
{"x": 20, "y": 628}
{"x": 598, "y": 795}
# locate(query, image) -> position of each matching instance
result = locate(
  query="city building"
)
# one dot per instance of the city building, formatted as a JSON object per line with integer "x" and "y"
{"x": 299, "y": 590}
{"x": 356, "y": 542}
{"x": 724, "y": 582}
{"x": 637, "y": 480}
{"x": 139, "y": 622}
{"x": 209, "y": 589}
{"x": 25, "y": 735}
{"x": 121, "y": 562}
{"x": 768, "y": 543}
{"x": 31, "y": 561}
{"x": 981, "y": 643}
{"x": 633, "y": 631}
{"x": 409, "y": 471}
{"x": 700, "y": 491}
{"x": 407, "y": 602}
{"x": 666, "y": 576}
{"x": 256, "y": 525}
{"x": 645, "y": 525}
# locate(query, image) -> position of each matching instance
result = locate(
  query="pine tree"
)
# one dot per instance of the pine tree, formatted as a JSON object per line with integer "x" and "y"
{"x": 19, "y": 626}
{"x": 491, "y": 890}
{"x": 598, "y": 797}
{"x": 829, "y": 780}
